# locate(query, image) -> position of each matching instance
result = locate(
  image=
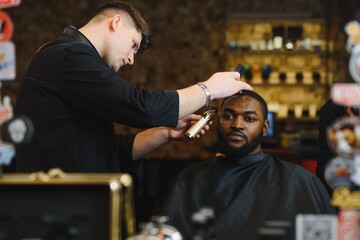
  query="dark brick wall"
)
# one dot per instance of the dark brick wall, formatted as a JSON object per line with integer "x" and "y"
{"x": 188, "y": 42}
{"x": 187, "y": 47}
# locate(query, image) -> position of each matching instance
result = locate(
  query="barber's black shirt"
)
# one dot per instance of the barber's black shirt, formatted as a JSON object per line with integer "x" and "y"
{"x": 73, "y": 97}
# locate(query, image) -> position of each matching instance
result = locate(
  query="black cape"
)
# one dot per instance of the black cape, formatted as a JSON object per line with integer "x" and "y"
{"x": 244, "y": 193}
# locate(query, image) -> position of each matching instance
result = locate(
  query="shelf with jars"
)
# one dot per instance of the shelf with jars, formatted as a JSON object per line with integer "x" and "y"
{"x": 287, "y": 60}
{"x": 274, "y": 52}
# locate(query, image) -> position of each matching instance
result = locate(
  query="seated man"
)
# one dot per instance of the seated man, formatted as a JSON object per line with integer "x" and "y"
{"x": 244, "y": 186}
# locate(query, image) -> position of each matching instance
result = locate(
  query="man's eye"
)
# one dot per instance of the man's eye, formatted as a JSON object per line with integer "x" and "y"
{"x": 135, "y": 47}
{"x": 250, "y": 119}
{"x": 227, "y": 117}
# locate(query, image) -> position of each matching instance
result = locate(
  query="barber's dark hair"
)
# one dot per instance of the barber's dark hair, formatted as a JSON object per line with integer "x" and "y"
{"x": 264, "y": 108}
{"x": 135, "y": 15}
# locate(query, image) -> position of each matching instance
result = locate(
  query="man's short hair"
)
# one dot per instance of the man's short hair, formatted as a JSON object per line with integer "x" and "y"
{"x": 136, "y": 17}
{"x": 252, "y": 94}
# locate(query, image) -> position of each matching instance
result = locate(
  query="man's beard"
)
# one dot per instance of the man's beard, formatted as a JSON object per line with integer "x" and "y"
{"x": 242, "y": 151}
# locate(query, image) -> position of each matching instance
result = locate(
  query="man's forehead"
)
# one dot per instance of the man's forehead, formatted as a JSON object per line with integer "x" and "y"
{"x": 239, "y": 101}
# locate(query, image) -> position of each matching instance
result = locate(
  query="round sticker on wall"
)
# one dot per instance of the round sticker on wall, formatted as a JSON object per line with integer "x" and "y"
{"x": 7, "y": 61}
{"x": 344, "y": 136}
{"x": 9, "y": 3}
{"x": 6, "y": 27}
{"x": 338, "y": 172}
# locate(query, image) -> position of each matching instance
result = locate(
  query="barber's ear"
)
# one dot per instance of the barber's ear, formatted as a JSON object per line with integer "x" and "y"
{"x": 115, "y": 22}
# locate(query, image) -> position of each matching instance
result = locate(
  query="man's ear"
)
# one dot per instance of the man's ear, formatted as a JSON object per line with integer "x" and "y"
{"x": 115, "y": 22}
{"x": 265, "y": 127}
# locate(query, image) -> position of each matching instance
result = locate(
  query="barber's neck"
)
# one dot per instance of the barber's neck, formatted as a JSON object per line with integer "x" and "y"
{"x": 95, "y": 33}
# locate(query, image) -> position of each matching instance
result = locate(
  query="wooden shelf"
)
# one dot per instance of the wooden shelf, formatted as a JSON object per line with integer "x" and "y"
{"x": 289, "y": 18}
{"x": 277, "y": 52}
{"x": 302, "y": 119}
{"x": 295, "y": 85}
{"x": 247, "y": 34}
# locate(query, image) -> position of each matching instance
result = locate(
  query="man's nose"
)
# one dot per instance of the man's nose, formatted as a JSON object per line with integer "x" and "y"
{"x": 237, "y": 123}
{"x": 131, "y": 59}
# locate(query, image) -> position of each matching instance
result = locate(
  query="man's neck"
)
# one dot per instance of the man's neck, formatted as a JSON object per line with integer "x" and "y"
{"x": 95, "y": 35}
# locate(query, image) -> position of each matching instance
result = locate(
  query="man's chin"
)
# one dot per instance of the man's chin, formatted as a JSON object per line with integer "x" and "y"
{"x": 238, "y": 151}
{"x": 235, "y": 146}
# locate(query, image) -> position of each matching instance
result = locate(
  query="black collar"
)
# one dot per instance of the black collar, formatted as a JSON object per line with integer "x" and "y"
{"x": 248, "y": 160}
{"x": 78, "y": 36}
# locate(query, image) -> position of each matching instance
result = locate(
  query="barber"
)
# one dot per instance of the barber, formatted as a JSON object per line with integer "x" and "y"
{"x": 72, "y": 93}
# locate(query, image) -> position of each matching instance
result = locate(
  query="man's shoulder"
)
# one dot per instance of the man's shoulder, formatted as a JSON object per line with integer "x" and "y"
{"x": 63, "y": 43}
{"x": 67, "y": 52}
{"x": 285, "y": 165}
{"x": 71, "y": 40}
{"x": 295, "y": 169}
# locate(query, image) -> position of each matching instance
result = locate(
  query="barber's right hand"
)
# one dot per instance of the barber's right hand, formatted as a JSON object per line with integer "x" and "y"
{"x": 224, "y": 84}
{"x": 178, "y": 133}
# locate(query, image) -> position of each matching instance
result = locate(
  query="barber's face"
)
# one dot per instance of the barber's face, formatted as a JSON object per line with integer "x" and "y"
{"x": 242, "y": 126}
{"x": 123, "y": 44}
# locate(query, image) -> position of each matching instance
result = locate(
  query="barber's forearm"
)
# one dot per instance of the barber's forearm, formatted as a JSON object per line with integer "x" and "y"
{"x": 219, "y": 85}
{"x": 191, "y": 99}
{"x": 148, "y": 141}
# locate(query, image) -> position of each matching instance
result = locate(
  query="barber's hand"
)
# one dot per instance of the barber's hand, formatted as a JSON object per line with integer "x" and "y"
{"x": 224, "y": 84}
{"x": 178, "y": 133}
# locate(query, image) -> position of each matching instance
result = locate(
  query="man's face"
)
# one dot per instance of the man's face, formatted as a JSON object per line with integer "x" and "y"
{"x": 123, "y": 44}
{"x": 242, "y": 126}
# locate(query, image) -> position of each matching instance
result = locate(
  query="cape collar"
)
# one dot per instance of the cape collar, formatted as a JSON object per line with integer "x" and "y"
{"x": 249, "y": 159}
